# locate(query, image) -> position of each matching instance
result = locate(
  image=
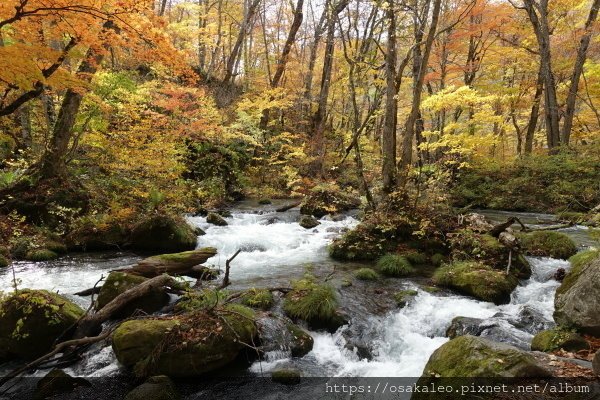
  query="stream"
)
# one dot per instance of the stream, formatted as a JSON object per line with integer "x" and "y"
{"x": 275, "y": 249}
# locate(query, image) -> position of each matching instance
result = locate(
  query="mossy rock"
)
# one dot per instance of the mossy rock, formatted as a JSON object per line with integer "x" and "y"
{"x": 314, "y": 303}
{"x": 476, "y": 357}
{"x": 366, "y": 274}
{"x": 461, "y": 326}
{"x": 571, "y": 217}
{"x": 358, "y": 244}
{"x": 308, "y": 222}
{"x": 32, "y": 320}
{"x": 264, "y": 201}
{"x": 394, "y": 265}
{"x": 415, "y": 257}
{"x": 437, "y": 259}
{"x": 478, "y": 280}
{"x": 104, "y": 234}
{"x": 328, "y": 199}
{"x": 577, "y": 300}
{"x": 402, "y": 297}
{"x": 467, "y": 245}
{"x": 548, "y": 244}
{"x": 258, "y": 298}
{"x": 40, "y": 255}
{"x": 119, "y": 282}
{"x": 163, "y": 234}
{"x": 187, "y": 346}
{"x": 4, "y": 262}
{"x": 302, "y": 343}
{"x": 155, "y": 388}
{"x": 555, "y": 339}
{"x": 55, "y": 246}
{"x": 193, "y": 301}
{"x": 287, "y": 376}
{"x": 216, "y": 219}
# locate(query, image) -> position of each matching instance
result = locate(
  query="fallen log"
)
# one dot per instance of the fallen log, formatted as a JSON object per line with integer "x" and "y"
{"x": 288, "y": 207}
{"x": 172, "y": 264}
{"x": 89, "y": 292}
{"x": 92, "y": 323}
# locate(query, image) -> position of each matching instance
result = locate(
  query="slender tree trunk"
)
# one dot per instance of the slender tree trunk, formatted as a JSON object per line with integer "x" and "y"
{"x": 388, "y": 137}
{"x": 234, "y": 56}
{"x": 308, "y": 80}
{"x": 534, "y": 115}
{"x": 577, "y": 70}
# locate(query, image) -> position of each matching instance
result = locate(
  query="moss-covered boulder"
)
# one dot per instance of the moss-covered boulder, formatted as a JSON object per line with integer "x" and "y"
{"x": 40, "y": 255}
{"x": 366, "y": 274}
{"x": 555, "y": 339}
{"x": 188, "y": 345}
{"x": 287, "y": 376}
{"x": 258, "y": 298}
{"x": 478, "y": 280}
{"x": 4, "y": 262}
{"x": 577, "y": 300}
{"x": 301, "y": 343}
{"x": 328, "y": 199}
{"x": 403, "y": 297}
{"x": 119, "y": 282}
{"x": 216, "y": 219}
{"x": 308, "y": 222}
{"x": 102, "y": 232}
{"x": 161, "y": 233}
{"x": 155, "y": 388}
{"x": 548, "y": 244}
{"x": 476, "y": 357}
{"x": 32, "y": 320}
{"x": 461, "y": 326}
{"x": 315, "y": 303}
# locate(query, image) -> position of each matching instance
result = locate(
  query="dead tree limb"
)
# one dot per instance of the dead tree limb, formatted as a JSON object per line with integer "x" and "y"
{"x": 227, "y": 268}
{"x": 288, "y": 207}
{"x": 91, "y": 323}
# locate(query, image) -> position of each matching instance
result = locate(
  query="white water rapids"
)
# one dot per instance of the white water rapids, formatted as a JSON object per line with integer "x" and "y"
{"x": 275, "y": 250}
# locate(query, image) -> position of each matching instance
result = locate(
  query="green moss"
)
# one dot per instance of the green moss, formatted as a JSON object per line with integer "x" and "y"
{"x": 302, "y": 343}
{"x": 55, "y": 246}
{"x": 258, "y": 298}
{"x": 468, "y": 245}
{"x": 477, "y": 280}
{"x": 437, "y": 259}
{"x": 394, "y": 265}
{"x": 558, "y": 338}
{"x": 403, "y": 296}
{"x": 572, "y": 217}
{"x": 578, "y": 263}
{"x": 430, "y": 289}
{"x": 360, "y": 243}
{"x": 287, "y": 376}
{"x": 310, "y": 301}
{"x": 415, "y": 257}
{"x": 32, "y": 320}
{"x": 163, "y": 234}
{"x": 191, "y": 258}
{"x": 366, "y": 274}
{"x": 548, "y": 244}
{"x": 200, "y": 300}
{"x": 4, "y": 261}
{"x": 40, "y": 255}
{"x": 328, "y": 199}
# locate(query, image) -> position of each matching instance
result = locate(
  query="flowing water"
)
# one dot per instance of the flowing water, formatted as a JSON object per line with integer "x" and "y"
{"x": 276, "y": 249}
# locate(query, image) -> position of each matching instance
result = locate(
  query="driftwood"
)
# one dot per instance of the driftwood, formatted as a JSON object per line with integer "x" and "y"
{"x": 89, "y": 292}
{"x": 227, "y": 268}
{"x": 92, "y": 323}
{"x": 288, "y": 207}
{"x": 498, "y": 229}
{"x": 172, "y": 264}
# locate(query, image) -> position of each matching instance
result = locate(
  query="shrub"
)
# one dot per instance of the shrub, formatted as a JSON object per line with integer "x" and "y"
{"x": 258, "y": 298}
{"x": 394, "y": 265}
{"x": 310, "y": 301}
{"x": 415, "y": 257}
{"x": 548, "y": 244}
{"x": 366, "y": 274}
{"x": 40, "y": 255}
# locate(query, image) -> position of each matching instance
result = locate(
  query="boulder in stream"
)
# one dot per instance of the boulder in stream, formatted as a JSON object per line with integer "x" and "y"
{"x": 478, "y": 280}
{"x": 577, "y": 300}
{"x": 308, "y": 222}
{"x": 186, "y": 345}
{"x": 555, "y": 339}
{"x": 159, "y": 387}
{"x": 119, "y": 282}
{"x": 216, "y": 219}
{"x": 474, "y": 357}
{"x": 32, "y": 320}
{"x": 162, "y": 233}
{"x": 328, "y": 199}
{"x": 548, "y": 244}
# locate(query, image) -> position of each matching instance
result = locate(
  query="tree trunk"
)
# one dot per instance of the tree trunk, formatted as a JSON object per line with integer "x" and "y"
{"x": 233, "y": 59}
{"x": 388, "y": 137}
{"x": 534, "y": 115}
{"x": 577, "y": 71}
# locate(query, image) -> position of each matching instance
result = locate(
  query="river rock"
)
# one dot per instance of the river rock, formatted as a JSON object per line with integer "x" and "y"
{"x": 478, "y": 280}
{"x": 155, "y": 388}
{"x": 163, "y": 233}
{"x": 577, "y": 300}
{"x": 548, "y": 244}
{"x": 32, "y": 320}
{"x": 554, "y": 339}
{"x": 474, "y": 357}
{"x": 461, "y": 326}
{"x": 308, "y": 222}
{"x": 57, "y": 382}
{"x": 190, "y": 344}
{"x": 119, "y": 282}
{"x": 281, "y": 334}
{"x": 216, "y": 219}
{"x": 328, "y": 199}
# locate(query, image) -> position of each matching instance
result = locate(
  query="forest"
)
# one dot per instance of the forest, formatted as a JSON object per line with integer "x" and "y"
{"x": 295, "y": 190}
